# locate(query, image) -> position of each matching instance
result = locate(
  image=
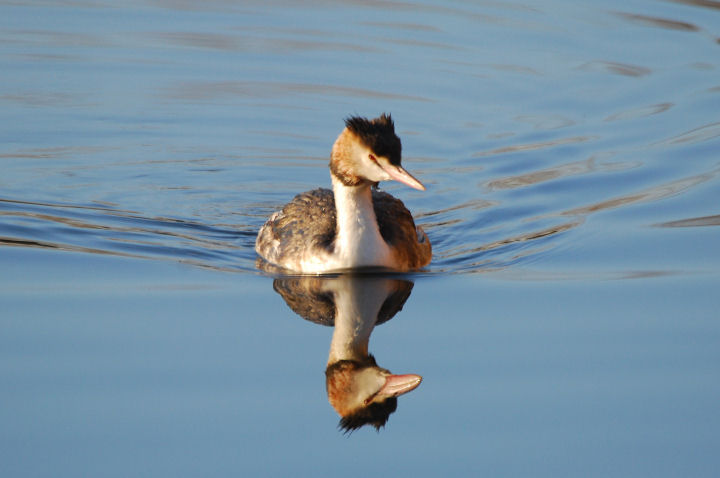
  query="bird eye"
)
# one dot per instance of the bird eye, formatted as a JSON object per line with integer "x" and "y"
{"x": 369, "y": 399}
{"x": 373, "y": 158}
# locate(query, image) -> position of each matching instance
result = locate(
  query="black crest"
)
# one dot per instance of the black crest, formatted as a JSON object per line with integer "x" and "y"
{"x": 375, "y": 414}
{"x": 378, "y": 135}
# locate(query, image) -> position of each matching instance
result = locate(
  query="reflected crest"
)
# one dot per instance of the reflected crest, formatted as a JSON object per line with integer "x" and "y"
{"x": 361, "y": 391}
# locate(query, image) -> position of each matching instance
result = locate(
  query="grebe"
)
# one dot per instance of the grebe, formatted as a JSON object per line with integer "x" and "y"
{"x": 354, "y": 225}
{"x": 362, "y": 392}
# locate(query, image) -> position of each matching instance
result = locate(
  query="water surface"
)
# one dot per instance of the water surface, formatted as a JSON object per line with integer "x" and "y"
{"x": 566, "y": 326}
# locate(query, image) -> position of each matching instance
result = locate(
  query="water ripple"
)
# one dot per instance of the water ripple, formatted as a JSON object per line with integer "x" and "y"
{"x": 533, "y": 146}
{"x": 622, "y": 69}
{"x": 713, "y": 4}
{"x": 639, "y": 112}
{"x": 658, "y": 22}
{"x": 476, "y": 259}
{"x": 591, "y": 165}
{"x": 696, "y": 135}
{"x": 129, "y": 169}
{"x": 235, "y": 42}
{"x": 104, "y": 230}
{"x": 256, "y": 89}
{"x": 693, "y": 222}
{"x": 655, "y": 193}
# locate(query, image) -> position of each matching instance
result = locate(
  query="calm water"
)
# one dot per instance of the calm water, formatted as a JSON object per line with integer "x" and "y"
{"x": 567, "y": 326}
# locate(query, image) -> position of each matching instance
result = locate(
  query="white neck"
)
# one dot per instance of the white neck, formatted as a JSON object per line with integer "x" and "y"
{"x": 357, "y": 303}
{"x": 358, "y": 241}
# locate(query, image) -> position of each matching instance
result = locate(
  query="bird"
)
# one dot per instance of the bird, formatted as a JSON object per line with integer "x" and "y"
{"x": 354, "y": 225}
{"x": 360, "y": 391}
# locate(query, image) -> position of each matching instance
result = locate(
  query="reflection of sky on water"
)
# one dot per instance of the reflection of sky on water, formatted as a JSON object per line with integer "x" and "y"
{"x": 514, "y": 372}
{"x": 566, "y": 325}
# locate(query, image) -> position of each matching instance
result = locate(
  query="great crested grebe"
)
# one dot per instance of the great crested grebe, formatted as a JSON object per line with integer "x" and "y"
{"x": 361, "y": 391}
{"x": 354, "y": 225}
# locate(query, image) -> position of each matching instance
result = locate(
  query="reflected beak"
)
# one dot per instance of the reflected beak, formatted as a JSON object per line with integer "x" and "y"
{"x": 399, "y": 174}
{"x": 399, "y": 384}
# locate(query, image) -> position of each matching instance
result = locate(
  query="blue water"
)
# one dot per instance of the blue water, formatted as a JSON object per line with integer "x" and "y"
{"x": 567, "y": 325}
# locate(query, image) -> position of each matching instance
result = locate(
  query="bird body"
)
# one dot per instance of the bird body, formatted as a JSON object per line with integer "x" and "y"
{"x": 354, "y": 225}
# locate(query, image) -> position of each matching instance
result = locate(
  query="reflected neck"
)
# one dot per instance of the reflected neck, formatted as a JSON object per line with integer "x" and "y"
{"x": 357, "y": 304}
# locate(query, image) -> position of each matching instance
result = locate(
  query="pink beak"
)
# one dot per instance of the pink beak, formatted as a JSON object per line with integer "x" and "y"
{"x": 399, "y": 174}
{"x": 399, "y": 384}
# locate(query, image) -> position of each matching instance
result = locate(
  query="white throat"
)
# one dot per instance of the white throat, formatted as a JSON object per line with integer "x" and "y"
{"x": 358, "y": 242}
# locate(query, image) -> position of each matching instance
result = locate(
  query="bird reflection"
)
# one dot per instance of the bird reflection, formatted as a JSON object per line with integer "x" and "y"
{"x": 362, "y": 392}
